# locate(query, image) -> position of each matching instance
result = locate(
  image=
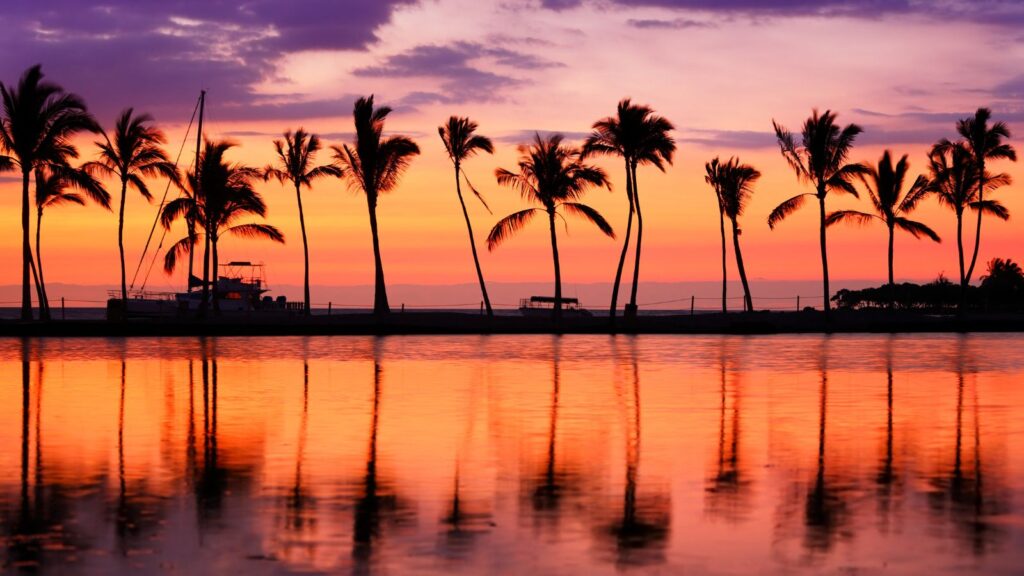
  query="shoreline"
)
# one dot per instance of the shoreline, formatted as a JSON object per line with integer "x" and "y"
{"x": 461, "y": 323}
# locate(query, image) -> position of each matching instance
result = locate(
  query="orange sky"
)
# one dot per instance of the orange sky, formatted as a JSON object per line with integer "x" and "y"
{"x": 721, "y": 84}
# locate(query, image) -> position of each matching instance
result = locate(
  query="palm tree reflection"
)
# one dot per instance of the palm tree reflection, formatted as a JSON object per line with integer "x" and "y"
{"x": 547, "y": 489}
{"x": 825, "y": 511}
{"x": 888, "y": 479}
{"x": 377, "y": 501}
{"x": 974, "y": 498}
{"x": 42, "y": 529}
{"x": 640, "y": 533}
{"x": 727, "y": 492}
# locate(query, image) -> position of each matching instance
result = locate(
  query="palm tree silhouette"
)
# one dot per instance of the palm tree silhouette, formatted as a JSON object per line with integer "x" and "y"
{"x": 295, "y": 156}
{"x": 39, "y": 121}
{"x": 223, "y": 195}
{"x": 57, "y": 186}
{"x": 891, "y": 203}
{"x": 821, "y": 160}
{"x": 554, "y": 176}
{"x": 374, "y": 164}
{"x": 133, "y": 154}
{"x": 711, "y": 170}
{"x": 985, "y": 143}
{"x": 638, "y": 136}
{"x": 953, "y": 178}
{"x": 734, "y": 184}
{"x": 462, "y": 142}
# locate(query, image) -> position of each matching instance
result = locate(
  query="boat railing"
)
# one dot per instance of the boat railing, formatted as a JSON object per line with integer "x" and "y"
{"x": 548, "y": 302}
{"x": 142, "y": 295}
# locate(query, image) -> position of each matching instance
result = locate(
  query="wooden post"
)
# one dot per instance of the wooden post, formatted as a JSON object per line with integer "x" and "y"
{"x": 328, "y": 307}
{"x": 62, "y": 315}
{"x": 798, "y": 303}
{"x": 693, "y": 300}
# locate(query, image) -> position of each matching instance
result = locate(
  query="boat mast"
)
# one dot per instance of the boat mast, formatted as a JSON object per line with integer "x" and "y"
{"x": 195, "y": 194}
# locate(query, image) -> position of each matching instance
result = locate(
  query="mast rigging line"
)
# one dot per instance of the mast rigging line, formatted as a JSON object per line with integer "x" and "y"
{"x": 163, "y": 202}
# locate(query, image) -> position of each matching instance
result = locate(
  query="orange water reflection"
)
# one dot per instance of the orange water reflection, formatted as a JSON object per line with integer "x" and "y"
{"x": 532, "y": 454}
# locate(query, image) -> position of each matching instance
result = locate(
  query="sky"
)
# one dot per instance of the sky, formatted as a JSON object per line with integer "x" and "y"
{"x": 721, "y": 71}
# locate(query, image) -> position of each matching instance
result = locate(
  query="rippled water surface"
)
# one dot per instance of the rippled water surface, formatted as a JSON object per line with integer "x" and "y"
{"x": 523, "y": 454}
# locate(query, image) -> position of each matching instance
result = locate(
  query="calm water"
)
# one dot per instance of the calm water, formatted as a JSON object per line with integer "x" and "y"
{"x": 533, "y": 454}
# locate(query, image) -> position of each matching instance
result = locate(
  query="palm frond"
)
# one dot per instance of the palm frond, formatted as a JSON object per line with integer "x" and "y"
{"x": 590, "y": 214}
{"x": 256, "y": 231}
{"x": 785, "y": 209}
{"x": 917, "y": 229}
{"x": 508, "y": 226}
{"x": 850, "y": 216}
{"x": 993, "y": 208}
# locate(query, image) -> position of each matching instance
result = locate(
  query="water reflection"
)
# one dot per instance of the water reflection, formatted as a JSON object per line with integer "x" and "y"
{"x": 728, "y": 489}
{"x": 499, "y": 455}
{"x": 973, "y": 499}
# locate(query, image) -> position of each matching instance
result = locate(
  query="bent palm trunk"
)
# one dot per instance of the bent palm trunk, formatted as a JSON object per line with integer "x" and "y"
{"x": 380, "y": 295}
{"x": 44, "y": 301}
{"x": 824, "y": 256}
{"x": 556, "y": 312}
{"x": 748, "y": 301}
{"x": 472, "y": 242}
{"x": 632, "y": 309}
{"x": 120, "y": 241}
{"x": 625, "y": 247}
{"x": 305, "y": 252}
{"x": 725, "y": 273}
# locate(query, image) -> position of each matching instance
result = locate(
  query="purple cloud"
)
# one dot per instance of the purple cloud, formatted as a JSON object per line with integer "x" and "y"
{"x": 459, "y": 69}
{"x": 674, "y": 24}
{"x": 157, "y": 54}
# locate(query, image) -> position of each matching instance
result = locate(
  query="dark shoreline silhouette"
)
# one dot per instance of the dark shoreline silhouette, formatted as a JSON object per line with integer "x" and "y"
{"x": 447, "y": 323}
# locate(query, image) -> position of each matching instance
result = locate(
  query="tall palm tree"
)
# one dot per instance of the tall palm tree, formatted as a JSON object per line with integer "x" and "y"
{"x": 953, "y": 178}
{"x": 985, "y": 143}
{"x": 712, "y": 177}
{"x": 638, "y": 136}
{"x": 374, "y": 164}
{"x": 131, "y": 154}
{"x": 892, "y": 204}
{"x": 734, "y": 184}
{"x": 553, "y": 176}
{"x": 461, "y": 142}
{"x": 39, "y": 120}
{"x": 223, "y": 195}
{"x": 295, "y": 155}
{"x": 57, "y": 186}
{"x": 820, "y": 159}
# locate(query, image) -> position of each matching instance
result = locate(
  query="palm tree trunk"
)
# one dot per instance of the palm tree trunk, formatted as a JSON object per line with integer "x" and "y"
{"x": 191, "y": 252}
{"x": 26, "y": 249}
{"x": 44, "y": 301}
{"x": 625, "y": 245}
{"x": 215, "y": 293}
{"x": 556, "y": 312}
{"x": 472, "y": 241}
{"x": 977, "y": 237}
{"x": 120, "y": 242}
{"x": 305, "y": 252}
{"x": 747, "y": 299}
{"x": 631, "y": 310}
{"x": 380, "y": 295}
{"x": 725, "y": 273}
{"x": 892, "y": 281}
{"x": 824, "y": 255}
{"x": 960, "y": 253}
{"x": 205, "y": 302}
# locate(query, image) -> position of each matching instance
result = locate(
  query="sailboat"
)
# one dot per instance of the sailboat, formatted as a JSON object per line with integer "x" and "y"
{"x": 239, "y": 287}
